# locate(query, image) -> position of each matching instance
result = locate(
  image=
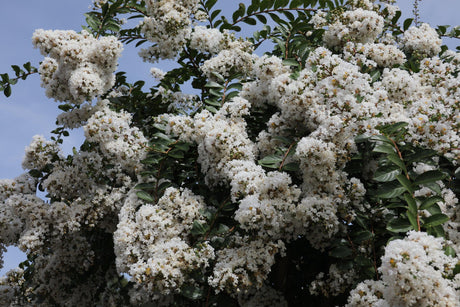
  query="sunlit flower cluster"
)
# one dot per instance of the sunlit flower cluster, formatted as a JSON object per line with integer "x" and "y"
{"x": 168, "y": 26}
{"x": 423, "y": 39}
{"x": 361, "y": 26}
{"x": 152, "y": 244}
{"x": 415, "y": 272}
{"x": 77, "y": 67}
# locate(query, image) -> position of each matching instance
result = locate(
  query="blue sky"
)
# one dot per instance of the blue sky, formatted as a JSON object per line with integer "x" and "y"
{"x": 29, "y": 112}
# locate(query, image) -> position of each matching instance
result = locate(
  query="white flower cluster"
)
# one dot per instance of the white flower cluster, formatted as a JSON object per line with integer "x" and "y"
{"x": 117, "y": 140}
{"x": 168, "y": 26}
{"x": 424, "y": 40}
{"x": 76, "y": 117}
{"x": 360, "y": 26}
{"x": 152, "y": 241}
{"x": 374, "y": 54}
{"x": 206, "y": 40}
{"x": 77, "y": 67}
{"x": 415, "y": 271}
{"x": 244, "y": 265}
{"x": 220, "y": 139}
{"x": 400, "y": 84}
{"x": 40, "y": 153}
{"x": 336, "y": 282}
{"x": 157, "y": 73}
{"x": 235, "y": 56}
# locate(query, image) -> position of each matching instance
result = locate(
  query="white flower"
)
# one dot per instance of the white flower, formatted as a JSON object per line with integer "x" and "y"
{"x": 423, "y": 39}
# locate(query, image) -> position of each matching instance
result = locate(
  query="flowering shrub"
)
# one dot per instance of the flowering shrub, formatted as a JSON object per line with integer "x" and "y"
{"x": 322, "y": 173}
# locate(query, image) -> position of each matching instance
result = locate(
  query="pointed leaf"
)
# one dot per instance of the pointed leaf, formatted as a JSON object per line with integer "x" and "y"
{"x": 411, "y": 203}
{"x": 413, "y": 220}
{"x": 429, "y": 177}
{"x": 405, "y": 183}
{"x": 435, "y": 220}
{"x": 397, "y": 161}
{"x": 386, "y": 173}
{"x": 145, "y": 196}
{"x": 390, "y": 190}
{"x": 399, "y": 225}
{"x": 430, "y": 201}
{"x": 384, "y": 148}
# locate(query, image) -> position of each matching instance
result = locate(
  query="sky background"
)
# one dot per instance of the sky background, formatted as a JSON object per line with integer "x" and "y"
{"x": 29, "y": 112}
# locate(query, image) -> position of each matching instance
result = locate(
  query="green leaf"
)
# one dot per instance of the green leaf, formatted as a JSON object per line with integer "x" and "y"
{"x": 183, "y": 146}
{"x": 434, "y": 187}
{"x": 420, "y": 154}
{"x": 266, "y": 4}
{"x": 457, "y": 269}
{"x": 280, "y": 3}
{"x": 430, "y": 201}
{"x": 271, "y": 161}
{"x": 192, "y": 292}
{"x": 412, "y": 219}
{"x": 250, "y": 21}
{"x": 17, "y": 70}
{"x": 199, "y": 229}
{"x": 209, "y": 4}
{"x": 449, "y": 251}
{"x": 340, "y": 252}
{"x": 392, "y": 129}
{"x": 145, "y": 196}
{"x": 7, "y": 91}
{"x": 213, "y": 102}
{"x": 435, "y": 209}
{"x": 375, "y": 75}
{"x": 212, "y": 84}
{"x": 211, "y": 109}
{"x": 214, "y": 14}
{"x": 28, "y": 67}
{"x": 390, "y": 190}
{"x": 411, "y": 203}
{"x": 399, "y": 225}
{"x": 150, "y": 160}
{"x": 176, "y": 153}
{"x": 35, "y": 173}
{"x": 435, "y": 220}
{"x": 397, "y": 161}
{"x": 362, "y": 236}
{"x": 407, "y": 23}
{"x": 381, "y": 138}
{"x": 384, "y": 148}
{"x": 291, "y": 167}
{"x": 92, "y": 21}
{"x": 387, "y": 173}
{"x": 220, "y": 229}
{"x": 290, "y": 62}
{"x": 145, "y": 186}
{"x": 429, "y": 177}
{"x": 262, "y": 18}
{"x": 405, "y": 183}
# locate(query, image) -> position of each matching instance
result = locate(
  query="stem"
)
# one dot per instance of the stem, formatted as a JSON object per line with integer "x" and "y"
{"x": 14, "y": 80}
{"x": 285, "y": 156}
{"x": 207, "y": 12}
{"x": 374, "y": 255}
{"x": 224, "y": 94}
{"x": 214, "y": 219}
{"x": 408, "y": 178}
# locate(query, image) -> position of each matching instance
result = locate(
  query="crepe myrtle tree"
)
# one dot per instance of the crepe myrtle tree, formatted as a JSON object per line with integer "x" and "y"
{"x": 321, "y": 173}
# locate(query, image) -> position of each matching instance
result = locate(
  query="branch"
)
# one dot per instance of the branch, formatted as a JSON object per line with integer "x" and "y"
{"x": 273, "y": 10}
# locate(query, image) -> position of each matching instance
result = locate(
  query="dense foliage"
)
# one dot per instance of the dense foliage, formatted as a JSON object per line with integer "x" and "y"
{"x": 321, "y": 173}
